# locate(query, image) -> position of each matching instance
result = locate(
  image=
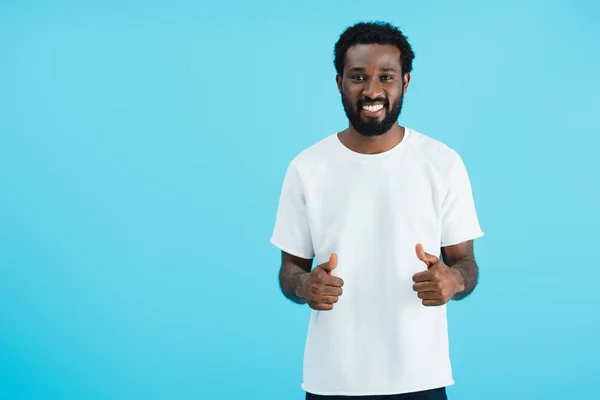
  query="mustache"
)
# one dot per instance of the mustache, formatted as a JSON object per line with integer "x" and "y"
{"x": 367, "y": 101}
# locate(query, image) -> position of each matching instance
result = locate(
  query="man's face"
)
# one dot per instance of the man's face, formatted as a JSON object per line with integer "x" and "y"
{"x": 372, "y": 87}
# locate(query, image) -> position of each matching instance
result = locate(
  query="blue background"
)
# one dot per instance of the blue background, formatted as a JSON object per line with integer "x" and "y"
{"x": 142, "y": 150}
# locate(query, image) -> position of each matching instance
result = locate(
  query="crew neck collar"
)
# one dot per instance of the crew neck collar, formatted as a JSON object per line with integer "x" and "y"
{"x": 408, "y": 132}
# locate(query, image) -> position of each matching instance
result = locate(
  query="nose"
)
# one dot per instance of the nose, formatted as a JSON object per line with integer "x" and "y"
{"x": 373, "y": 89}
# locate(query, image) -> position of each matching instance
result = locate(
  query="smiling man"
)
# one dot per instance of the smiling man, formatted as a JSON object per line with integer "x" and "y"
{"x": 375, "y": 204}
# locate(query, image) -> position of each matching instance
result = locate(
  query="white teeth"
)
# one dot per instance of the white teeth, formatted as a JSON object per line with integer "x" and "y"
{"x": 373, "y": 108}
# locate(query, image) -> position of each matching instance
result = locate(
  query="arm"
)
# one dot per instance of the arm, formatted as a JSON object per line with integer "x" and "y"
{"x": 291, "y": 275}
{"x": 460, "y": 258}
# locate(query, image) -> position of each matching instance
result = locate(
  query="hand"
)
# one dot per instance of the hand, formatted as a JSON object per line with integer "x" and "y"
{"x": 320, "y": 288}
{"x": 439, "y": 283}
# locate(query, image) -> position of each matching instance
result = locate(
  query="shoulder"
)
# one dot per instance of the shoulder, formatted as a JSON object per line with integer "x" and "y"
{"x": 436, "y": 154}
{"x": 312, "y": 159}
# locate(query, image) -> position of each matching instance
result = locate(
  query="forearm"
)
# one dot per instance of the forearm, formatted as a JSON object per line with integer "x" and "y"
{"x": 290, "y": 280}
{"x": 468, "y": 270}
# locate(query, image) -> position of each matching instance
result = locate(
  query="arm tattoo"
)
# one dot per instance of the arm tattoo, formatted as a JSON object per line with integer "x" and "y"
{"x": 467, "y": 267}
{"x": 289, "y": 281}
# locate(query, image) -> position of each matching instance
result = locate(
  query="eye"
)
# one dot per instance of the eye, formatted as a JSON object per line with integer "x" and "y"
{"x": 357, "y": 78}
{"x": 386, "y": 78}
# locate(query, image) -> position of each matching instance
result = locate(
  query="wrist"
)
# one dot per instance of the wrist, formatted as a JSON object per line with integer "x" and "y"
{"x": 300, "y": 279}
{"x": 459, "y": 275}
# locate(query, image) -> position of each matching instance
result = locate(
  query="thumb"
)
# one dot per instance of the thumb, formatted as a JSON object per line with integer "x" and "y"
{"x": 427, "y": 258}
{"x": 333, "y": 261}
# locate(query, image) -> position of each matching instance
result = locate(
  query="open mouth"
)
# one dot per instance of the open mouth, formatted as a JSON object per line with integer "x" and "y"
{"x": 372, "y": 109}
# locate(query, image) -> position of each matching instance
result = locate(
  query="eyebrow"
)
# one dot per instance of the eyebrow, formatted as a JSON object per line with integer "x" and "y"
{"x": 361, "y": 69}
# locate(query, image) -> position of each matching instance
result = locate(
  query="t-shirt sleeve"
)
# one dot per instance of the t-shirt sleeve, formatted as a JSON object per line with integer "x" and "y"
{"x": 459, "y": 217}
{"x": 292, "y": 231}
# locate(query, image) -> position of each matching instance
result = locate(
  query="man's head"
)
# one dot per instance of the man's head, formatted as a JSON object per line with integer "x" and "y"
{"x": 373, "y": 63}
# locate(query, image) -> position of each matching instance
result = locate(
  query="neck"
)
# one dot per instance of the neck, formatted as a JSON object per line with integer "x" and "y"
{"x": 374, "y": 144}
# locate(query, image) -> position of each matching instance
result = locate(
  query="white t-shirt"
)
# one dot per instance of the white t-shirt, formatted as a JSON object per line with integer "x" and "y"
{"x": 371, "y": 210}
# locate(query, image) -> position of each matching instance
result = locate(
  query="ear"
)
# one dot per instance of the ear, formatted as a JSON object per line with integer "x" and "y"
{"x": 405, "y": 81}
{"x": 338, "y": 79}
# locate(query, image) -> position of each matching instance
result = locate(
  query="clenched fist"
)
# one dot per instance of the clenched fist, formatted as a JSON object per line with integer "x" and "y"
{"x": 439, "y": 283}
{"x": 321, "y": 289}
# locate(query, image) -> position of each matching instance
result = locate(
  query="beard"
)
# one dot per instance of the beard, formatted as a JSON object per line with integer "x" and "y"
{"x": 370, "y": 126}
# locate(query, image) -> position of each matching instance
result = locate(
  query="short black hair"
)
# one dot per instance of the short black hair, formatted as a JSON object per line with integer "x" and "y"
{"x": 377, "y": 32}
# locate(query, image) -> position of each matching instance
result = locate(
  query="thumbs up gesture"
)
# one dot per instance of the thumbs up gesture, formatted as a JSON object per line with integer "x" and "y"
{"x": 439, "y": 283}
{"x": 321, "y": 289}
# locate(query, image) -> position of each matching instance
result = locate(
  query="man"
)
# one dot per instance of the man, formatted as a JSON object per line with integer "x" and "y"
{"x": 374, "y": 204}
